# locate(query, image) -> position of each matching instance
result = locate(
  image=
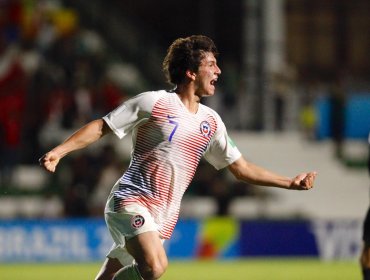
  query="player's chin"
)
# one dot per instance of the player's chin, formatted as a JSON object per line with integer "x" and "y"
{"x": 210, "y": 92}
{"x": 205, "y": 95}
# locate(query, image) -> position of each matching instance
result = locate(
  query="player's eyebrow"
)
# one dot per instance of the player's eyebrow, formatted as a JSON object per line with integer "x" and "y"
{"x": 208, "y": 60}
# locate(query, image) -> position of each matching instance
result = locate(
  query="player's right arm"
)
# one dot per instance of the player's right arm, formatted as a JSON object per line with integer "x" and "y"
{"x": 120, "y": 121}
{"x": 83, "y": 137}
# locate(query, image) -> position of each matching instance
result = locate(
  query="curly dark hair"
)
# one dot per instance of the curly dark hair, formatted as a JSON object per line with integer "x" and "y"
{"x": 186, "y": 54}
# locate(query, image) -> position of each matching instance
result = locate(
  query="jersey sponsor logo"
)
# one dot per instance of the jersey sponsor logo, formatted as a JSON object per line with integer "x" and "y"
{"x": 205, "y": 128}
{"x": 137, "y": 221}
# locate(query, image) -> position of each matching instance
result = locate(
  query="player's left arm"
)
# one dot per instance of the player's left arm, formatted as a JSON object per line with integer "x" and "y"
{"x": 253, "y": 174}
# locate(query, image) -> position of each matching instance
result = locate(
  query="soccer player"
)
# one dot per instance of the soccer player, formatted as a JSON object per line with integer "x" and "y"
{"x": 365, "y": 254}
{"x": 171, "y": 132}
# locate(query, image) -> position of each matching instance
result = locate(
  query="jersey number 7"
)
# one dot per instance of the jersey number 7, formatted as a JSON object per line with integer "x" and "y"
{"x": 176, "y": 124}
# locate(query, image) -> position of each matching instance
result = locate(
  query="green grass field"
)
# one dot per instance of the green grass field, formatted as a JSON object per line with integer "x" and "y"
{"x": 271, "y": 269}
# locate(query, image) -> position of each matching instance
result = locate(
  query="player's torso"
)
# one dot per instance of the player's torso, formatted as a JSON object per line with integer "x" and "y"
{"x": 167, "y": 151}
{"x": 174, "y": 132}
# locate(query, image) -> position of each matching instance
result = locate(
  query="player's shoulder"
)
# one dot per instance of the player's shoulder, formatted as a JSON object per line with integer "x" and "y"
{"x": 154, "y": 94}
{"x": 211, "y": 112}
{"x": 147, "y": 99}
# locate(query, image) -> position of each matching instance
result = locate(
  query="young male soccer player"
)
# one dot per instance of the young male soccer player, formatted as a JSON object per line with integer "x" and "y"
{"x": 171, "y": 131}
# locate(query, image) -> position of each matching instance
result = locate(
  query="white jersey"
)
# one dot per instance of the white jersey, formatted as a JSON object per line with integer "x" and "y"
{"x": 168, "y": 143}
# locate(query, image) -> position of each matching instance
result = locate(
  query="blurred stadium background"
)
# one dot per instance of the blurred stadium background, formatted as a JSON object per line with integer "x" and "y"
{"x": 294, "y": 94}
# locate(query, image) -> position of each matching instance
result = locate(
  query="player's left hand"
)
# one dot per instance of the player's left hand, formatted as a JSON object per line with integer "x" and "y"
{"x": 304, "y": 181}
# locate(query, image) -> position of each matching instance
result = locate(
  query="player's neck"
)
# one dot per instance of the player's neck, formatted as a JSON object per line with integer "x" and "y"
{"x": 188, "y": 98}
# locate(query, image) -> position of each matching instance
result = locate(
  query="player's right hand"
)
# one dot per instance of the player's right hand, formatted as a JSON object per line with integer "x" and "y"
{"x": 49, "y": 161}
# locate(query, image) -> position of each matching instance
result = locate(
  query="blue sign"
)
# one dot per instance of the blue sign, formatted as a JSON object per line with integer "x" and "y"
{"x": 83, "y": 240}
{"x": 55, "y": 240}
{"x": 326, "y": 239}
{"x": 184, "y": 240}
{"x": 356, "y": 117}
{"x": 277, "y": 238}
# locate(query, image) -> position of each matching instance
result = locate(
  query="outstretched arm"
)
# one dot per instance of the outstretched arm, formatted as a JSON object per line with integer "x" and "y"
{"x": 83, "y": 137}
{"x": 253, "y": 174}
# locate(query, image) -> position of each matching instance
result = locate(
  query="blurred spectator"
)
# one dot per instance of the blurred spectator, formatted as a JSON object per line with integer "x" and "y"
{"x": 108, "y": 96}
{"x": 308, "y": 117}
{"x": 282, "y": 89}
{"x": 222, "y": 191}
{"x": 337, "y": 116}
{"x": 60, "y": 108}
{"x": 12, "y": 103}
{"x": 84, "y": 175}
{"x": 110, "y": 169}
{"x": 10, "y": 21}
{"x": 84, "y": 110}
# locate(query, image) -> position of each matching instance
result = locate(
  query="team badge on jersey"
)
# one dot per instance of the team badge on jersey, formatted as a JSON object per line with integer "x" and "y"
{"x": 205, "y": 128}
{"x": 137, "y": 221}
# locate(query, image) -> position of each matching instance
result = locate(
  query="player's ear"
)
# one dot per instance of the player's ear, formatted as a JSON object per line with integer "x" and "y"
{"x": 190, "y": 75}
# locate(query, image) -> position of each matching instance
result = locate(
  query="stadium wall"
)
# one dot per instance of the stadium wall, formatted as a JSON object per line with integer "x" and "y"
{"x": 85, "y": 240}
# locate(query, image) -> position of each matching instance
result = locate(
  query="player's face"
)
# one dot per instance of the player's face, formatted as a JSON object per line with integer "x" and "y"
{"x": 207, "y": 75}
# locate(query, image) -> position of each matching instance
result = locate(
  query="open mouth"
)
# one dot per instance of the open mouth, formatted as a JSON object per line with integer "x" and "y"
{"x": 213, "y": 82}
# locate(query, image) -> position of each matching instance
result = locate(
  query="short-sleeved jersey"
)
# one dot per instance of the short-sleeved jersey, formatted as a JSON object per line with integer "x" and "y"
{"x": 168, "y": 143}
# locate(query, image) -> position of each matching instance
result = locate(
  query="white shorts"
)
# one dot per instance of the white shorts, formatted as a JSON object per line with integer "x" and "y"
{"x": 132, "y": 220}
